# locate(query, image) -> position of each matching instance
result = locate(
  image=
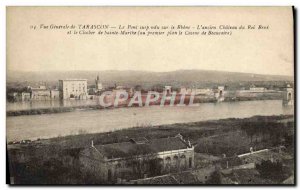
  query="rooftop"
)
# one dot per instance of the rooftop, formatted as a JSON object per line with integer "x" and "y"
{"x": 141, "y": 146}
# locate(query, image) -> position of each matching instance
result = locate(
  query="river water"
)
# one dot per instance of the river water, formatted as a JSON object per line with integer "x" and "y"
{"x": 92, "y": 121}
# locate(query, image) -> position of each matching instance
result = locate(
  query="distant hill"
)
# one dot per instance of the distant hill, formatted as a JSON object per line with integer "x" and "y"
{"x": 131, "y": 78}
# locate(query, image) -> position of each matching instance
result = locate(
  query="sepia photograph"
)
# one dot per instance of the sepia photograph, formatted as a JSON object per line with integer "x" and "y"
{"x": 134, "y": 95}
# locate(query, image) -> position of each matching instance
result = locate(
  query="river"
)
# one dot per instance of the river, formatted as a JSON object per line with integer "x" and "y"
{"x": 92, "y": 121}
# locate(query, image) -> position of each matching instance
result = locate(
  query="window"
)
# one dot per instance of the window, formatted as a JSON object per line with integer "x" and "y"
{"x": 168, "y": 164}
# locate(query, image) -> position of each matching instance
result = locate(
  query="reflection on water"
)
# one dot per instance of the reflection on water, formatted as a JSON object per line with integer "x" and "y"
{"x": 26, "y": 105}
{"x": 92, "y": 121}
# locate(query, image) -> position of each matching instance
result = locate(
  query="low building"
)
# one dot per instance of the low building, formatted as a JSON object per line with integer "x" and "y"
{"x": 13, "y": 96}
{"x": 19, "y": 96}
{"x": 44, "y": 93}
{"x": 40, "y": 93}
{"x": 54, "y": 94}
{"x": 25, "y": 96}
{"x": 196, "y": 91}
{"x": 220, "y": 93}
{"x": 253, "y": 88}
{"x": 137, "y": 158}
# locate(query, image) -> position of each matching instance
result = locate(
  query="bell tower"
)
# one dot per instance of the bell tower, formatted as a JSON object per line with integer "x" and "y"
{"x": 98, "y": 84}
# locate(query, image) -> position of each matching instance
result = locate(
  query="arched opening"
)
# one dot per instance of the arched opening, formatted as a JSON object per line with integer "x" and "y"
{"x": 221, "y": 93}
{"x": 168, "y": 164}
{"x": 176, "y": 163}
{"x": 289, "y": 96}
{"x": 182, "y": 163}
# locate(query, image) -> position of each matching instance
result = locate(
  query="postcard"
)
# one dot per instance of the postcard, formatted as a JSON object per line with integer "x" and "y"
{"x": 150, "y": 95}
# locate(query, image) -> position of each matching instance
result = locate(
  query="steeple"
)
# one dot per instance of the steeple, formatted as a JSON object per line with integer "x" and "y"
{"x": 98, "y": 84}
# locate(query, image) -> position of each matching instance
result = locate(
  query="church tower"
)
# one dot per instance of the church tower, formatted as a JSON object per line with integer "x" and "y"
{"x": 288, "y": 96}
{"x": 98, "y": 84}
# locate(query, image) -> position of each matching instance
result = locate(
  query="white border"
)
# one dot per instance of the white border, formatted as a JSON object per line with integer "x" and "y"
{"x": 5, "y": 3}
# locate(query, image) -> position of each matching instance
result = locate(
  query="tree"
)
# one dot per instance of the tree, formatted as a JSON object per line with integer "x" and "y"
{"x": 270, "y": 170}
{"x": 215, "y": 178}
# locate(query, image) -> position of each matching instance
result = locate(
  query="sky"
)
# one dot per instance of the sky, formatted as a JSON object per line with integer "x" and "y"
{"x": 259, "y": 51}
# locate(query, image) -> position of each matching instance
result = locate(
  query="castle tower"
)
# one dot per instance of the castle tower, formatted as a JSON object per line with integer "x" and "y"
{"x": 288, "y": 96}
{"x": 219, "y": 95}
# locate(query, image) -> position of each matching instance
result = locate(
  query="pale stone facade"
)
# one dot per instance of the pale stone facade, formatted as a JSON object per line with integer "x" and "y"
{"x": 40, "y": 94}
{"x": 253, "y": 88}
{"x": 54, "y": 94}
{"x": 43, "y": 93}
{"x": 73, "y": 89}
{"x": 196, "y": 91}
{"x": 220, "y": 93}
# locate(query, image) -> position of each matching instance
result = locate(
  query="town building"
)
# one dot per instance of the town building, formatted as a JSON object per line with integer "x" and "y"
{"x": 253, "y": 88}
{"x": 25, "y": 96}
{"x": 40, "y": 93}
{"x": 219, "y": 93}
{"x": 54, "y": 94}
{"x": 137, "y": 158}
{"x": 73, "y": 89}
{"x": 44, "y": 93}
{"x": 13, "y": 96}
{"x": 196, "y": 91}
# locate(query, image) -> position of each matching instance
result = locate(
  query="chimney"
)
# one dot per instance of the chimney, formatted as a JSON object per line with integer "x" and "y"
{"x": 180, "y": 136}
{"x": 190, "y": 145}
{"x": 251, "y": 150}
